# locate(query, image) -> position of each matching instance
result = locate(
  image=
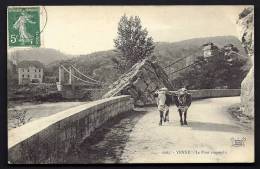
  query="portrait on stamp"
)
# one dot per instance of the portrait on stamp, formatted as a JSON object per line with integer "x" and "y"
{"x": 24, "y": 26}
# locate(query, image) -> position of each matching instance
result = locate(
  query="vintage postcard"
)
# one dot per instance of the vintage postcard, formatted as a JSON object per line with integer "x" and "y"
{"x": 130, "y": 84}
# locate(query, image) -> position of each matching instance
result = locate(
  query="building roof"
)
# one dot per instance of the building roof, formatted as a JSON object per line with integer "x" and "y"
{"x": 207, "y": 44}
{"x": 27, "y": 63}
{"x": 210, "y": 46}
{"x": 229, "y": 45}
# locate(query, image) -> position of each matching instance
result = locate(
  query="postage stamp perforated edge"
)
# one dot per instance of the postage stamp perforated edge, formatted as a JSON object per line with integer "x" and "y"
{"x": 23, "y": 25}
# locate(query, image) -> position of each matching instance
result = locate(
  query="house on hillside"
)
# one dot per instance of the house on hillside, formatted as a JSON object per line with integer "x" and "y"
{"x": 231, "y": 52}
{"x": 209, "y": 49}
{"x": 30, "y": 72}
{"x": 230, "y": 49}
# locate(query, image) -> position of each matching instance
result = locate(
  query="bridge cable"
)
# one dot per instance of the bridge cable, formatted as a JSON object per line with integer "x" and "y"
{"x": 85, "y": 75}
{"x": 195, "y": 63}
{"x": 176, "y": 61}
{"x": 191, "y": 64}
{"x": 77, "y": 77}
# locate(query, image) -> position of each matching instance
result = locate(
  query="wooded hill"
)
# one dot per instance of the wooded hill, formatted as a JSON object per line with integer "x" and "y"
{"x": 100, "y": 65}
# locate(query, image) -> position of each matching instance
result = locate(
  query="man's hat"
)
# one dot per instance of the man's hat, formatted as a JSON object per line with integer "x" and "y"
{"x": 164, "y": 89}
{"x": 182, "y": 91}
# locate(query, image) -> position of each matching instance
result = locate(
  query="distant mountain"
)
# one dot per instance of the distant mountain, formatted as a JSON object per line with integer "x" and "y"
{"x": 44, "y": 55}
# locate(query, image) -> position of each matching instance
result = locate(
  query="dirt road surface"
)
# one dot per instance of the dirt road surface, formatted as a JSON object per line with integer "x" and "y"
{"x": 212, "y": 135}
{"x": 209, "y": 136}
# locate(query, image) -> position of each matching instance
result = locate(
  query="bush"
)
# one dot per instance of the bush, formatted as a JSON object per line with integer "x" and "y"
{"x": 51, "y": 97}
{"x": 19, "y": 117}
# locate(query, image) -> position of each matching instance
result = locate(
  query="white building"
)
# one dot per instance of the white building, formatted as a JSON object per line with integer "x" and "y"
{"x": 30, "y": 72}
{"x": 210, "y": 49}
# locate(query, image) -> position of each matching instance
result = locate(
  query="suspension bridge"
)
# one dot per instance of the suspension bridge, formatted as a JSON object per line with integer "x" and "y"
{"x": 189, "y": 61}
{"x": 180, "y": 64}
{"x": 72, "y": 77}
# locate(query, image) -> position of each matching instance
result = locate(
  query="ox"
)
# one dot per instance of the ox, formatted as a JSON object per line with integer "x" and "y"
{"x": 182, "y": 100}
{"x": 164, "y": 100}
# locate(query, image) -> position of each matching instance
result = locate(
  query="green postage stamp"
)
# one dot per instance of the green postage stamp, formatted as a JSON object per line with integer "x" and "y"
{"x": 24, "y": 26}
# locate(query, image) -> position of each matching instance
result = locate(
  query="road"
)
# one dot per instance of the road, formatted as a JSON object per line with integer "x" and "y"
{"x": 139, "y": 139}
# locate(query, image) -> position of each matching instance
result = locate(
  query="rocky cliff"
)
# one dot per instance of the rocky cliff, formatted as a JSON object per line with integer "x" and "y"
{"x": 246, "y": 35}
{"x": 141, "y": 81}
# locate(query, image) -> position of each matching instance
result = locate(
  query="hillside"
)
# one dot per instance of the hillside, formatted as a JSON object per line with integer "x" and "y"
{"x": 100, "y": 66}
{"x": 171, "y": 51}
{"x": 166, "y": 51}
{"x": 44, "y": 55}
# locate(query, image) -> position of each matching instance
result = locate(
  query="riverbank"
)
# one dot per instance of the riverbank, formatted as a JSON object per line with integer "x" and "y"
{"x": 29, "y": 111}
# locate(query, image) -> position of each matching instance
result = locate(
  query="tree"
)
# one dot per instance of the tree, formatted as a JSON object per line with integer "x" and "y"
{"x": 133, "y": 43}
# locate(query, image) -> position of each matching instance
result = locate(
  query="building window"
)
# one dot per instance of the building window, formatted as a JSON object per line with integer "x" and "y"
{"x": 22, "y": 75}
{"x": 35, "y": 70}
{"x": 39, "y": 76}
{"x": 28, "y": 70}
{"x": 35, "y": 76}
{"x": 28, "y": 76}
{"x": 39, "y": 70}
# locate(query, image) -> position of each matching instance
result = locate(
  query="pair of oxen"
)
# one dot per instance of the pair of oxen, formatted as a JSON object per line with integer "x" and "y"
{"x": 165, "y": 98}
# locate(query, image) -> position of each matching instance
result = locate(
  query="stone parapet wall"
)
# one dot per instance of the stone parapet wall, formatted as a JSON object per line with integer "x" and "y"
{"x": 46, "y": 140}
{"x": 209, "y": 93}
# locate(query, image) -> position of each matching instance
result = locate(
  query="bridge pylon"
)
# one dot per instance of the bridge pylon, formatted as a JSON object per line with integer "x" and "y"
{"x": 61, "y": 79}
{"x": 71, "y": 78}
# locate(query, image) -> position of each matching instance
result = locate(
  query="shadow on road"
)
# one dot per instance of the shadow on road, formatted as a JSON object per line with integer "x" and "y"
{"x": 215, "y": 127}
{"x": 107, "y": 143}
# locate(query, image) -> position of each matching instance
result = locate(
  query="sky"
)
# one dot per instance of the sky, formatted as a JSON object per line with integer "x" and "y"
{"x": 86, "y": 29}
